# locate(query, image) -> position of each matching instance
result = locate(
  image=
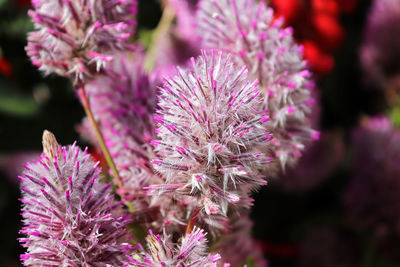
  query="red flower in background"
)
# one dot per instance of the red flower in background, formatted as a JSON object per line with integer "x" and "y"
{"x": 321, "y": 62}
{"x": 22, "y": 3}
{"x": 347, "y": 6}
{"x": 316, "y": 26}
{"x": 5, "y": 68}
{"x": 283, "y": 251}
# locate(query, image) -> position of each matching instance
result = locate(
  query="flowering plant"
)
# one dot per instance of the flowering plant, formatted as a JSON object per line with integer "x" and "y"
{"x": 185, "y": 145}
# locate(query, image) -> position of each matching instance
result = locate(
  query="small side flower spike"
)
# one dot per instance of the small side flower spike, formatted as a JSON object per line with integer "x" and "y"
{"x": 70, "y": 218}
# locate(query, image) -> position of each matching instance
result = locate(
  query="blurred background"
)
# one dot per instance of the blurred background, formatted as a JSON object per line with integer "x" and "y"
{"x": 339, "y": 207}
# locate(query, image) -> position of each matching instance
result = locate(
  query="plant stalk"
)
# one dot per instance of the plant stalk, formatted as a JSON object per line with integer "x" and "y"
{"x": 162, "y": 29}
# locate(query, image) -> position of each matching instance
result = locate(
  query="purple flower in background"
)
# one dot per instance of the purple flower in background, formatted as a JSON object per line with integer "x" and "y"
{"x": 209, "y": 122}
{"x": 238, "y": 246}
{"x": 380, "y": 51}
{"x": 328, "y": 247}
{"x": 372, "y": 198}
{"x": 190, "y": 252}
{"x": 319, "y": 160}
{"x": 76, "y": 38}
{"x": 123, "y": 104}
{"x": 12, "y": 164}
{"x": 247, "y": 30}
{"x": 70, "y": 218}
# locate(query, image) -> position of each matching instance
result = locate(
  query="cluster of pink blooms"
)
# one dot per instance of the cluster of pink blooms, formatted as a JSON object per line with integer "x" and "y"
{"x": 247, "y": 30}
{"x": 223, "y": 122}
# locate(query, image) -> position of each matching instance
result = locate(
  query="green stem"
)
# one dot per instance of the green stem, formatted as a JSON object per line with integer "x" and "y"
{"x": 369, "y": 252}
{"x": 159, "y": 33}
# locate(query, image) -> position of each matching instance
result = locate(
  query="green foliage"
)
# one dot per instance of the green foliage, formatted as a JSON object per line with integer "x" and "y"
{"x": 2, "y": 3}
{"x": 17, "y": 27}
{"x": 249, "y": 262}
{"x": 394, "y": 114}
{"x": 14, "y": 103}
{"x": 145, "y": 37}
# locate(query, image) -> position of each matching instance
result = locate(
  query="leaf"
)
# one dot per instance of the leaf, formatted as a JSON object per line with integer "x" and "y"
{"x": 145, "y": 37}
{"x": 395, "y": 115}
{"x": 2, "y": 3}
{"x": 382, "y": 262}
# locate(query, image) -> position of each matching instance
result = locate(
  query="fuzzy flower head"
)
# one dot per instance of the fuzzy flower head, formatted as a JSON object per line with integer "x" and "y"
{"x": 191, "y": 252}
{"x": 380, "y": 51}
{"x": 76, "y": 38}
{"x": 209, "y": 122}
{"x": 70, "y": 218}
{"x": 247, "y": 30}
{"x": 372, "y": 198}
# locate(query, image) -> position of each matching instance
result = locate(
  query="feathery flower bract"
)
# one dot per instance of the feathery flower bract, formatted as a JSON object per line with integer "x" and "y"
{"x": 191, "y": 251}
{"x": 247, "y": 30}
{"x": 76, "y": 38}
{"x": 209, "y": 122}
{"x": 70, "y": 218}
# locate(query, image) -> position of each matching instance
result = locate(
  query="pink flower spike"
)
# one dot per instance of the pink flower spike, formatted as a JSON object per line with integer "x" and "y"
{"x": 58, "y": 212}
